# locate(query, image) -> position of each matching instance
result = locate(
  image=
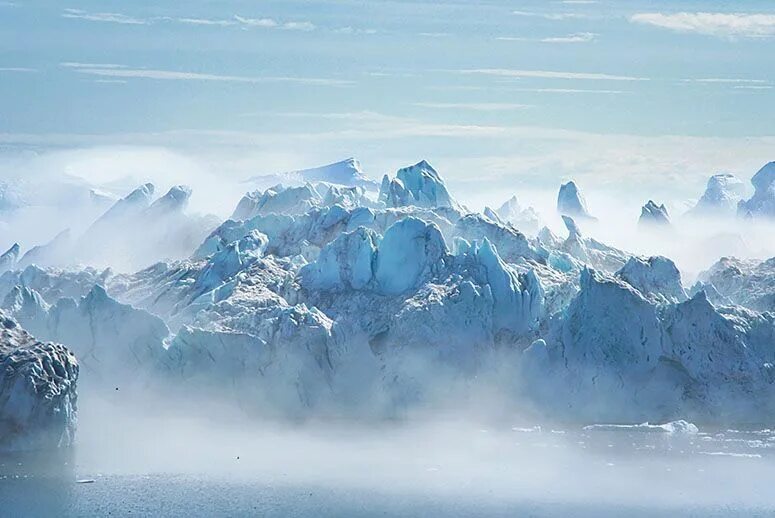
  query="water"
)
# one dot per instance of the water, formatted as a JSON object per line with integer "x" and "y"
{"x": 443, "y": 468}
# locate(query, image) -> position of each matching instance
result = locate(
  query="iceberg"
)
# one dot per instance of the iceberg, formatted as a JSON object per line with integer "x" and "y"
{"x": 38, "y": 399}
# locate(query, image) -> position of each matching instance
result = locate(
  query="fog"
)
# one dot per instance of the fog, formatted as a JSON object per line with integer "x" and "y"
{"x": 444, "y": 463}
{"x": 52, "y": 194}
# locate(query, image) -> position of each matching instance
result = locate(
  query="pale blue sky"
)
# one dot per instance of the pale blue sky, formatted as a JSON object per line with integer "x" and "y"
{"x": 511, "y": 91}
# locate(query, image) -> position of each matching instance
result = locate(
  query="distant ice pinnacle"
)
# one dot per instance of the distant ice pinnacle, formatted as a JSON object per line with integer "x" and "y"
{"x": 570, "y": 202}
{"x": 721, "y": 196}
{"x": 762, "y": 203}
{"x": 653, "y": 215}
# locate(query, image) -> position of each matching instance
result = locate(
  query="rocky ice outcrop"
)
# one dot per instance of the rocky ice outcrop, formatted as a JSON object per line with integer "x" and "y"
{"x": 419, "y": 185}
{"x": 762, "y": 203}
{"x": 9, "y": 258}
{"x": 570, "y": 202}
{"x": 512, "y": 244}
{"x": 588, "y": 251}
{"x": 38, "y": 399}
{"x": 653, "y": 216}
{"x": 747, "y": 283}
{"x": 721, "y": 196}
{"x": 526, "y": 220}
{"x": 656, "y": 278}
{"x": 277, "y": 200}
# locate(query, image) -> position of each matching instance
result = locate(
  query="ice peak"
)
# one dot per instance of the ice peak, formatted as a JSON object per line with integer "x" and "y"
{"x": 653, "y": 214}
{"x": 9, "y": 258}
{"x": 570, "y": 201}
{"x": 419, "y": 185}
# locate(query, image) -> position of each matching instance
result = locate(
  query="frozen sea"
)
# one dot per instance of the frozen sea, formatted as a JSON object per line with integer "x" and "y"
{"x": 430, "y": 469}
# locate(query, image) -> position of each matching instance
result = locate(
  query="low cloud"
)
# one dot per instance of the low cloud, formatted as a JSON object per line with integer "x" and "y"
{"x": 484, "y": 107}
{"x": 236, "y": 20}
{"x": 576, "y": 37}
{"x": 104, "y": 17}
{"x": 713, "y": 24}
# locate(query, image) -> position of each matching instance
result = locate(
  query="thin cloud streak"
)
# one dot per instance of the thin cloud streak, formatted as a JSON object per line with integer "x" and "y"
{"x": 237, "y": 20}
{"x": 549, "y": 74}
{"x": 103, "y": 17}
{"x": 485, "y": 107}
{"x": 115, "y": 71}
{"x": 577, "y": 37}
{"x": 728, "y": 25}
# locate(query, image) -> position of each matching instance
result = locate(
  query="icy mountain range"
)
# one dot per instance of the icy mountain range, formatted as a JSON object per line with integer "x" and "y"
{"x": 331, "y": 300}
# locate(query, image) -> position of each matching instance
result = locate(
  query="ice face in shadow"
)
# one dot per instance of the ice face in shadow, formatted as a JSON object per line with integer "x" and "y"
{"x": 38, "y": 401}
{"x": 619, "y": 356}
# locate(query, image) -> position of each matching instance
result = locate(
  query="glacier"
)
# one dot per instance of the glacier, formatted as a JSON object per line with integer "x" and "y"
{"x": 329, "y": 298}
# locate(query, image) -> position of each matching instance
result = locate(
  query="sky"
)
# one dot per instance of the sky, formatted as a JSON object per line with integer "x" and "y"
{"x": 645, "y": 98}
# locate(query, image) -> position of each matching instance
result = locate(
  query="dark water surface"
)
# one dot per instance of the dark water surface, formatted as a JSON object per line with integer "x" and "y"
{"x": 439, "y": 470}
